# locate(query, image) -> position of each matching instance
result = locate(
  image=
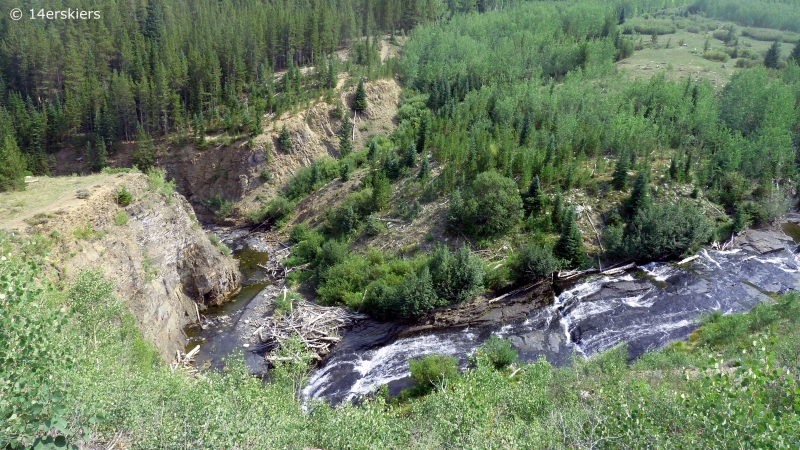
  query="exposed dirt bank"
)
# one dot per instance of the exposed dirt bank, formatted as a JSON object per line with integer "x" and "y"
{"x": 161, "y": 261}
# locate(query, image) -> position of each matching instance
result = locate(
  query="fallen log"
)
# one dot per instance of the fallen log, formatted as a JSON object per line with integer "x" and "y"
{"x": 689, "y": 259}
{"x": 618, "y": 270}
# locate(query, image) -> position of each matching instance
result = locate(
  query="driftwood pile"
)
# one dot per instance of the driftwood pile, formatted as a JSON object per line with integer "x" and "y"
{"x": 318, "y": 327}
{"x": 185, "y": 361}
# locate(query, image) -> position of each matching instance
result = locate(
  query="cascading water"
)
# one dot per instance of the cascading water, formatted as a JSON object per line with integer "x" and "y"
{"x": 657, "y": 304}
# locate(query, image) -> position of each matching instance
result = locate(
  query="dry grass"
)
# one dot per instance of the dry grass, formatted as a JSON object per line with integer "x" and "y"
{"x": 45, "y": 192}
{"x": 685, "y": 62}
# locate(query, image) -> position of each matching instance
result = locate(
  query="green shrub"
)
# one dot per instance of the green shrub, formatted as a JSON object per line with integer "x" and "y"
{"x": 121, "y": 218}
{"x": 649, "y": 26}
{"x": 498, "y": 352}
{"x": 788, "y": 307}
{"x": 308, "y": 179}
{"x": 223, "y": 208}
{"x": 157, "y": 182}
{"x": 433, "y": 370}
{"x": 456, "y": 277}
{"x": 492, "y": 207}
{"x": 299, "y": 233}
{"x": 285, "y": 301}
{"x": 278, "y": 210}
{"x": 32, "y": 401}
{"x": 713, "y": 55}
{"x": 285, "y": 140}
{"x": 339, "y": 281}
{"x": 308, "y": 248}
{"x": 122, "y": 196}
{"x": 534, "y": 262}
{"x": 331, "y": 253}
{"x": 743, "y": 63}
{"x": 666, "y": 230}
{"x": 86, "y": 232}
{"x": 763, "y": 34}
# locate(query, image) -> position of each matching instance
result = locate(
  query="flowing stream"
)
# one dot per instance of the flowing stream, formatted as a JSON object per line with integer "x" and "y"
{"x": 646, "y": 308}
{"x": 218, "y": 335}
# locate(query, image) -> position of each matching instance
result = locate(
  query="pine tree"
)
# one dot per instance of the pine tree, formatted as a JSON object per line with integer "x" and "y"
{"x": 285, "y": 140}
{"x": 455, "y": 211}
{"x": 422, "y": 133}
{"x": 88, "y": 155}
{"x": 391, "y": 166}
{"x": 100, "y": 157}
{"x": 551, "y": 151}
{"x": 622, "y": 16}
{"x": 673, "y": 170}
{"x": 740, "y": 219}
{"x": 534, "y": 198}
{"x": 570, "y": 245}
{"x": 425, "y": 169}
{"x": 144, "y": 156}
{"x": 620, "y": 178}
{"x": 372, "y": 151}
{"x": 415, "y": 295}
{"x": 795, "y": 55}
{"x": 345, "y": 142}
{"x": 558, "y": 210}
{"x": 200, "y": 130}
{"x": 773, "y": 56}
{"x": 640, "y": 196}
{"x": 527, "y": 126}
{"x": 12, "y": 170}
{"x": 154, "y": 22}
{"x": 360, "y": 101}
{"x": 381, "y": 192}
{"x": 344, "y": 172}
{"x": 410, "y": 157}
{"x": 331, "y": 77}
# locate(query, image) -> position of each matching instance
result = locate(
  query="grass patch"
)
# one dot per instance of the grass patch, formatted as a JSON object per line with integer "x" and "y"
{"x": 121, "y": 218}
{"x": 157, "y": 182}
{"x": 49, "y": 190}
{"x": 286, "y": 301}
{"x": 39, "y": 219}
{"x": 224, "y": 249}
{"x": 86, "y": 232}
{"x": 686, "y": 57}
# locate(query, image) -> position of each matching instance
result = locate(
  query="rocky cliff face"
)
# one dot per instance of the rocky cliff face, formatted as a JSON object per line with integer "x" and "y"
{"x": 162, "y": 262}
{"x": 233, "y": 170}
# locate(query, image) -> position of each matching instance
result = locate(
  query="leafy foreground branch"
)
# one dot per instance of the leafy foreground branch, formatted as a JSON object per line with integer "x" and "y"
{"x": 75, "y": 369}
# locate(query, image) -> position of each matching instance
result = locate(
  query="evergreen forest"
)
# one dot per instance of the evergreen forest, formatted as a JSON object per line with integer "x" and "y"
{"x": 512, "y": 117}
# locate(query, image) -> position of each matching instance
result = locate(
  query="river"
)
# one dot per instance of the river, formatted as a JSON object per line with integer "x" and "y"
{"x": 647, "y": 308}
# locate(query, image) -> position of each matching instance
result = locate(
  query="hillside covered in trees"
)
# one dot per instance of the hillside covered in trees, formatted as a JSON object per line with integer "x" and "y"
{"x": 522, "y": 147}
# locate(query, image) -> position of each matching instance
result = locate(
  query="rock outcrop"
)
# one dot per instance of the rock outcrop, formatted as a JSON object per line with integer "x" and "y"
{"x": 161, "y": 261}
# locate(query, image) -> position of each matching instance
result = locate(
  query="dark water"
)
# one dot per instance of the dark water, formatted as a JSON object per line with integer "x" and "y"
{"x": 647, "y": 309}
{"x": 792, "y": 230}
{"x": 219, "y": 339}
